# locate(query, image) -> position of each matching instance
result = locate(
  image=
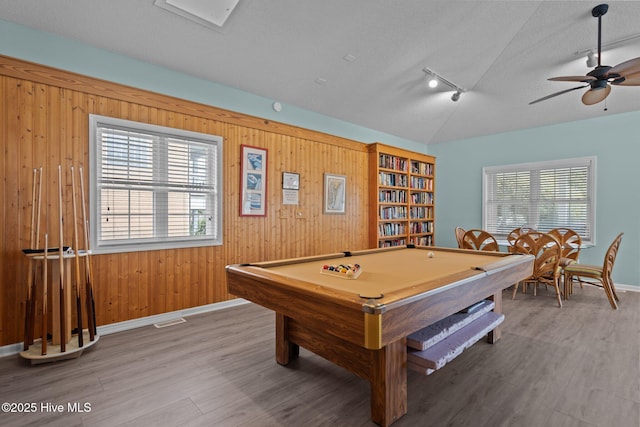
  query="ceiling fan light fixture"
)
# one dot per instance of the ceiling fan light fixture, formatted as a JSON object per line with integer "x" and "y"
{"x": 599, "y": 84}
{"x": 626, "y": 73}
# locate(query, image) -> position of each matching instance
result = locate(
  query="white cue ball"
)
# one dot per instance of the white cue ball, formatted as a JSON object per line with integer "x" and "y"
{"x": 430, "y": 254}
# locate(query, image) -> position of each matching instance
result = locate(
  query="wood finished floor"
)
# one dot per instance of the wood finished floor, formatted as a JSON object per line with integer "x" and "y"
{"x": 578, "y": 366}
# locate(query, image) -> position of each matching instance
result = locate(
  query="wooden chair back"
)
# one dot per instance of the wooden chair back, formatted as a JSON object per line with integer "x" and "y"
{"x": 547, "y": 251}
{"x": 570, "y": 241}
{"x": 517, "y": 232}
{"x": 479, "y": 240}
{"x": 610, "y": 257}
{"x": 459, "y": 235}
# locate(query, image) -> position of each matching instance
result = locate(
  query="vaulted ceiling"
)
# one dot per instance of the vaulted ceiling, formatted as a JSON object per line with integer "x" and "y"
{"x": 362, "y": 61}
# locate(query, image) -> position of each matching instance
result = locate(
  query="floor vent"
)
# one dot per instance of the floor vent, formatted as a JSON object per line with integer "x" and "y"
{"x": 170, "y": 322}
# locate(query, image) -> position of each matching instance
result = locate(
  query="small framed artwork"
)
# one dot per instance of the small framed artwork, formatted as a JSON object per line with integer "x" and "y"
{"x": 334, "y": 193}
{"x": 290, "y": 181}
{"x": 253, "y": 181}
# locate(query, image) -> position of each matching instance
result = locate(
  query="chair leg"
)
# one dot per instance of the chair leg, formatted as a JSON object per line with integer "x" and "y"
{"x": 515, "y": 290}
{"x": 609, "y": 292}
{"x": 558, "y": 296}
{"x": 613, "y": 289}
{"x": 565, "y": 285}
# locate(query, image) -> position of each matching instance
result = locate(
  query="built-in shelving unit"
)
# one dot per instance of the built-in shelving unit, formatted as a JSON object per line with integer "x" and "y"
{"x": 402, "y": 197}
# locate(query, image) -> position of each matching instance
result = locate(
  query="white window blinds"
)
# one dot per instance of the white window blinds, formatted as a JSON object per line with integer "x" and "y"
{"x": 153, "y": 187}
{"x": 543, "y": 196}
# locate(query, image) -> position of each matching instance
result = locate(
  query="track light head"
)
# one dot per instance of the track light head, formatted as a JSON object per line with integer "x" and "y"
{"x": 434, "y": 79}
{"x": 592, "y": 59}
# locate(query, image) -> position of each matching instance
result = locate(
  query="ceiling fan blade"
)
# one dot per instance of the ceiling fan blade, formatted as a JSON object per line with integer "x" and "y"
{"x": 593, "y": 96}
{"x": 585, "y": 79}
{"x": 544, "y": 98}
{"x": 625, "y": 68}
{"x": 629, "y": 80}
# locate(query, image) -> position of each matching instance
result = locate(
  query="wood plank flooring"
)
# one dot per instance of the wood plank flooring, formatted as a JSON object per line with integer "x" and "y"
{"x": 578, "y": 366}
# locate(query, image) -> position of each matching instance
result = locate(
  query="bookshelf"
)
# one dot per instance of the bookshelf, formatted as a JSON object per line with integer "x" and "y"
{"x": 401, "y": 205}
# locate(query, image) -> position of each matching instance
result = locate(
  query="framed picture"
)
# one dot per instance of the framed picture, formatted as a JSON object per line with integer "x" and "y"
{"x": 290, "y": 181}
{"x": 334, "y": 193}
{"x": 253, "y": 181}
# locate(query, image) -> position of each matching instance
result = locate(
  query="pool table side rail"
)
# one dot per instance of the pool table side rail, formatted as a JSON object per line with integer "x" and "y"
{"x": 342, "y": 316}
{"x": 289, "y": 261}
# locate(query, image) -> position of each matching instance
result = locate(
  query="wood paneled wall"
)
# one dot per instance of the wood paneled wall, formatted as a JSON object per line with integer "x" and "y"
{"x": 44, "y": 116}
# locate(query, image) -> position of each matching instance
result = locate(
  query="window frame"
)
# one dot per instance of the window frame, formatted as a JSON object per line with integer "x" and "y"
{"x": 215, "y": 195}
{"x": 588, "y": 162}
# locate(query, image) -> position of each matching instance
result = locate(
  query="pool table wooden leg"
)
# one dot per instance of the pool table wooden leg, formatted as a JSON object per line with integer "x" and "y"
{"x": 389, "y": 383}
{"x": 285, "y": 349}
{"x": 496, "y": 334}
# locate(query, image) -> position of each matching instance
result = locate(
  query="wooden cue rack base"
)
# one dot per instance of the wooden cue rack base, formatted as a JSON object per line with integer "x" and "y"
{"x": 34, "y": 353}
{"x": 53, "y": 346}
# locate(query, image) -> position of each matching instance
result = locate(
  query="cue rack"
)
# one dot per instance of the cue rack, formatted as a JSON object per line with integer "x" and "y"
{"x": 59, "y": 287}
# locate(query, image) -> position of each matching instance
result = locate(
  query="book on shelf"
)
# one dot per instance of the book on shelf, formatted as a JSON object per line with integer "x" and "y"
{"x": 392, "y": 179}
{"x": 393, "y": 212}
{"x": 392, "y": 196}
{"x": 388, "y": 161}
{"x": 393, "y": 242}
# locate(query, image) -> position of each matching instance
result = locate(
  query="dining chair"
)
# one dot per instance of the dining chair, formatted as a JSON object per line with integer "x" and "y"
{"x": 459, "y": 235}
{"x": 570, "y": 242}
{"x": 599, "y": 276}
{"x": 515, "y": 233}
{"x": 479, "y": 240}
{"x": 546, "y": 266}
{"x": 511, "y": 238}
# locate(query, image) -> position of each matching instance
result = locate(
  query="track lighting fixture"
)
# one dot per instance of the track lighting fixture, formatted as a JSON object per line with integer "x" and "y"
{"x": 592, "y": 56}
{"x": 435, "y": 78}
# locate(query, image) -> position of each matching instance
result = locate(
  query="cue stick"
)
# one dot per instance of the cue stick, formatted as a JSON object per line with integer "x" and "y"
{"x": 91, "y": 308}
{"x": 77, "y": 259}
{"x": 27, "y": 306}
{"x": 43, "y": 342}
{"x": 39, "y": 208}
{"x": 32, "y": 231}
{"x": 63, "y": 317}
{"x": 33, "y": 301}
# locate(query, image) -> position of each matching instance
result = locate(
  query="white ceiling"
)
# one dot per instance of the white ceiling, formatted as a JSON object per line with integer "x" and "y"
{"x": 502, "y": 52}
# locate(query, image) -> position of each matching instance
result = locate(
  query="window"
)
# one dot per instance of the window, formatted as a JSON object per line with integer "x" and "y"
{"x": 153, "y": 187}
{"x": 543, "y": 196}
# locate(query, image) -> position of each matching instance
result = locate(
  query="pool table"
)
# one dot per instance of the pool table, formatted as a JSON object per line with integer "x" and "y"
{"x": 361, "y": 324}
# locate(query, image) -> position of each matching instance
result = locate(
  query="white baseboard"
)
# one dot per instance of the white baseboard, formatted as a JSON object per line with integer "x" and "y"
{"x": 164, "y": 317}
{"x": 11, "y": 349}
{"x": 629, "y": 288}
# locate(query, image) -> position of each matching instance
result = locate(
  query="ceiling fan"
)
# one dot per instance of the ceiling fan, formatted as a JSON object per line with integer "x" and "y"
{"x": 601, "y": 77}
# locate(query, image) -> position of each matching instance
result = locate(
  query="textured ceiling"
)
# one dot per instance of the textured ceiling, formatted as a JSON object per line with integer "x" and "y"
{"x": 293, "y": 51}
